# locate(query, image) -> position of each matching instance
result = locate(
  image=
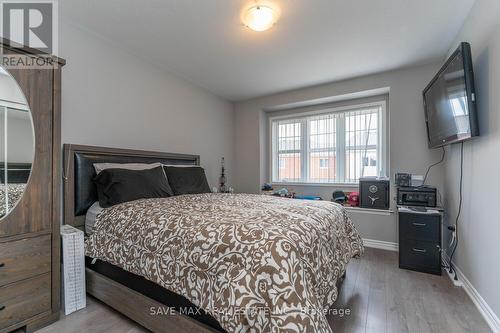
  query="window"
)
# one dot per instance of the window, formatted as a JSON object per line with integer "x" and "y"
{"x": 330, "y": 146}
{"x": 323, "y": 163}
{"x": 282, "y": 163}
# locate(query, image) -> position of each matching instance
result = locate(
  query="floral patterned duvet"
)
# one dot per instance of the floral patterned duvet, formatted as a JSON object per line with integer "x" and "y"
{"x": 256, "y": 263}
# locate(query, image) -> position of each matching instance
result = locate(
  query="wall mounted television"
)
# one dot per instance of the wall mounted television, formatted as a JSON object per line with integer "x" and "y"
{"x": 450, "y": 101}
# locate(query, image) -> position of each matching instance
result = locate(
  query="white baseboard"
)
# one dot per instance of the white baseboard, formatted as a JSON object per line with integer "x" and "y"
{"x": 376, "y": 244}
{"x": 483, "y": 307}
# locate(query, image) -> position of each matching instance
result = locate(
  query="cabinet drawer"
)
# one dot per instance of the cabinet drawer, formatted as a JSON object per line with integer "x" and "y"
{"x": 25, "y": 299}
{"x": 419, "y": 227}
{"x": 24, "y": 258}
{"x": 420, "y": 255}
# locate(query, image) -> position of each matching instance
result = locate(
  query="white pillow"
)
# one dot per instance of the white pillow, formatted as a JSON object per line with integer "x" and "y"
{"x": 182, "y": 165}
{"x": 129, "y": 166}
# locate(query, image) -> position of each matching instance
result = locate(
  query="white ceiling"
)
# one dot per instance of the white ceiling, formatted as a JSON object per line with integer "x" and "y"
{"x": 315, "y": 41}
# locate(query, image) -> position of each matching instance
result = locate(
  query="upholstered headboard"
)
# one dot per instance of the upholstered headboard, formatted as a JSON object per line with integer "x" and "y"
{"x": 78, "y": 172}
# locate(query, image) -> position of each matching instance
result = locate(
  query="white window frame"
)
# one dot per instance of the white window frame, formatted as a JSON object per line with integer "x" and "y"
{"x": 382, "y": 143}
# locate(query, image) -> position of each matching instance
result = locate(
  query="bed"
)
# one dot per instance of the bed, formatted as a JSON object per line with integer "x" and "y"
{"x": 210, "y": 262}
{"x": 13, "y": 192}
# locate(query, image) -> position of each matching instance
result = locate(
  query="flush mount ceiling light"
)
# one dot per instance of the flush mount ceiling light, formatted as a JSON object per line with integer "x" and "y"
{"x": 260, "y": 17}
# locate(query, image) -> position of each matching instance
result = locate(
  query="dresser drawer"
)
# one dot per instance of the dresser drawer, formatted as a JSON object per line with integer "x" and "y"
{"x": 419, "y": 227}
{"x": 25, "y": 299}
{"x": 420, "y": 255}
{"x": 24, "y": 258}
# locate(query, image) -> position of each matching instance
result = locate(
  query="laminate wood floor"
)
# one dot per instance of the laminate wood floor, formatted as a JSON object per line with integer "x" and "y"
{"x": 380, "y": 297}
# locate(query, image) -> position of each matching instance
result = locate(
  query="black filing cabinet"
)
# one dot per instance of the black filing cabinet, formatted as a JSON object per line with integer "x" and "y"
{"x": 420, "y": 241}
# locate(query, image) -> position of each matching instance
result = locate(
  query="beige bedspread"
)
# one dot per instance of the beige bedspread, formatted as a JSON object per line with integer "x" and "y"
{"x": 256, "y": 263}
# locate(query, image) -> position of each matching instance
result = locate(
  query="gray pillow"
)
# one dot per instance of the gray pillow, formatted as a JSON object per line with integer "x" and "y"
{"x": 128, "y": 166}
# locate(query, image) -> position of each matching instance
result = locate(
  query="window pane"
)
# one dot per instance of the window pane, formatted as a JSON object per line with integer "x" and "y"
{"x": 359, "y": 164}
{"x": 292, "y": 143}
{"x": 289, "y": 136}
{"x": 322, "y": 167}
{"x": 322, "y": 148}
{"x": 289, "y": 167}
{"x": 361, "y": 145}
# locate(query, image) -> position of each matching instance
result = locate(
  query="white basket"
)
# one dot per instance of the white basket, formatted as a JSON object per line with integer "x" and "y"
{"x": 73, "y": 269}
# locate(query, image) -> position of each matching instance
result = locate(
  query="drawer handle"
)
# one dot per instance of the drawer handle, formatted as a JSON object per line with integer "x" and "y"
{"x": 419, "y": 250}
{"x": 419, "y": 224}
{"x": 2, "y": 264}
{"x": 2, "y": 307}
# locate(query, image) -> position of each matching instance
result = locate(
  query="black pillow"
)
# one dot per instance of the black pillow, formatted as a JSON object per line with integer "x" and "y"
{"x": 187, "y": 180}
{"x": 115, "y": 186}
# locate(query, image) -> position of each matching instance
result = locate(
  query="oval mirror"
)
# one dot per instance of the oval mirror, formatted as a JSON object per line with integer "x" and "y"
{"x": 17, "y": 143}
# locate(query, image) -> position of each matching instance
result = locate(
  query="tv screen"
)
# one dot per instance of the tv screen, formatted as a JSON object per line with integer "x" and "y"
{"x": 450, "y": 101}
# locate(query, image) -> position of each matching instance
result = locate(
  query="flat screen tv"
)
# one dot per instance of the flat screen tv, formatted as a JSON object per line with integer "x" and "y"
{"x": 450, "y": 101}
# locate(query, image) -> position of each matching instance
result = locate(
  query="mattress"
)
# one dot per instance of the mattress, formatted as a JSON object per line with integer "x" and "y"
{"x": 252, "y": 262}
{"x": 91, "y": 217}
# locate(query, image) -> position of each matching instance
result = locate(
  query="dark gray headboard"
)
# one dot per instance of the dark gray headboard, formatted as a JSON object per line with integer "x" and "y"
{"x": 78, "y": 171}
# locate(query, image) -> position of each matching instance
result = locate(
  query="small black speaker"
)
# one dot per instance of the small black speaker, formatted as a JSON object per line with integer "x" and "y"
{"x": 403, "y": 179}
{"x": 374, "y": 193}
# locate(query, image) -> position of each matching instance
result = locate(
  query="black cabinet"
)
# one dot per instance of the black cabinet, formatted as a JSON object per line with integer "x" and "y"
{"x": 420, "y": 241}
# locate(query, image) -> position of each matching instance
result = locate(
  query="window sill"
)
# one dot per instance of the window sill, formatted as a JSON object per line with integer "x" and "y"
{"x": 317, "y": 184}
{"x": 372, "y": 211}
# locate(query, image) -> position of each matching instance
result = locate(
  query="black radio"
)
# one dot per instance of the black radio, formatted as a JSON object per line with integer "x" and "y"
{"x": 417, "y": 196}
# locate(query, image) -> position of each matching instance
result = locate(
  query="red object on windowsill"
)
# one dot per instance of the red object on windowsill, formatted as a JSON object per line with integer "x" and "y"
{"x": 353, "y": 199}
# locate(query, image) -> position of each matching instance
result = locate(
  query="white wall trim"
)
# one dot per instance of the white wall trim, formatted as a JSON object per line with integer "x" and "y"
{"x": 484, "y": 309}
{"x": 328, "y": 100}
{"x": 377, "y": 244}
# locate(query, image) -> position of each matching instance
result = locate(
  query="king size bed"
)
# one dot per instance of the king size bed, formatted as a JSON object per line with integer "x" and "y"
{"x": 208, "y": 262}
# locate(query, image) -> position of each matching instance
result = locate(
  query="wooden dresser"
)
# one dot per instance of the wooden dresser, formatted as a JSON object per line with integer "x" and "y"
{"x": 29, "y": 232}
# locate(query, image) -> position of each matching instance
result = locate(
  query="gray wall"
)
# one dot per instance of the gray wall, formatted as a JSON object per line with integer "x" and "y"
{"x": 407, "y": 137}
{"x": 479, "y": 226}
{"x": 111, "y": 98}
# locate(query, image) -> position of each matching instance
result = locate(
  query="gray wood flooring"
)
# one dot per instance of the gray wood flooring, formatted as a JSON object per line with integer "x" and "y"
{"x": 384, "y": 298}
{"x": 380, "y": 297}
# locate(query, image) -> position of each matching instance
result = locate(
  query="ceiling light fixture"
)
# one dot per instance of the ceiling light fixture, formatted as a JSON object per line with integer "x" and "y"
{"x": 260, "y": 17}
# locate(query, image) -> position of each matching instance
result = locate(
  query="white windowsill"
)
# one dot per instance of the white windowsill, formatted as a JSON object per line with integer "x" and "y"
{"x": 317, "y": 184}
{"x": 372, "y": 211}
